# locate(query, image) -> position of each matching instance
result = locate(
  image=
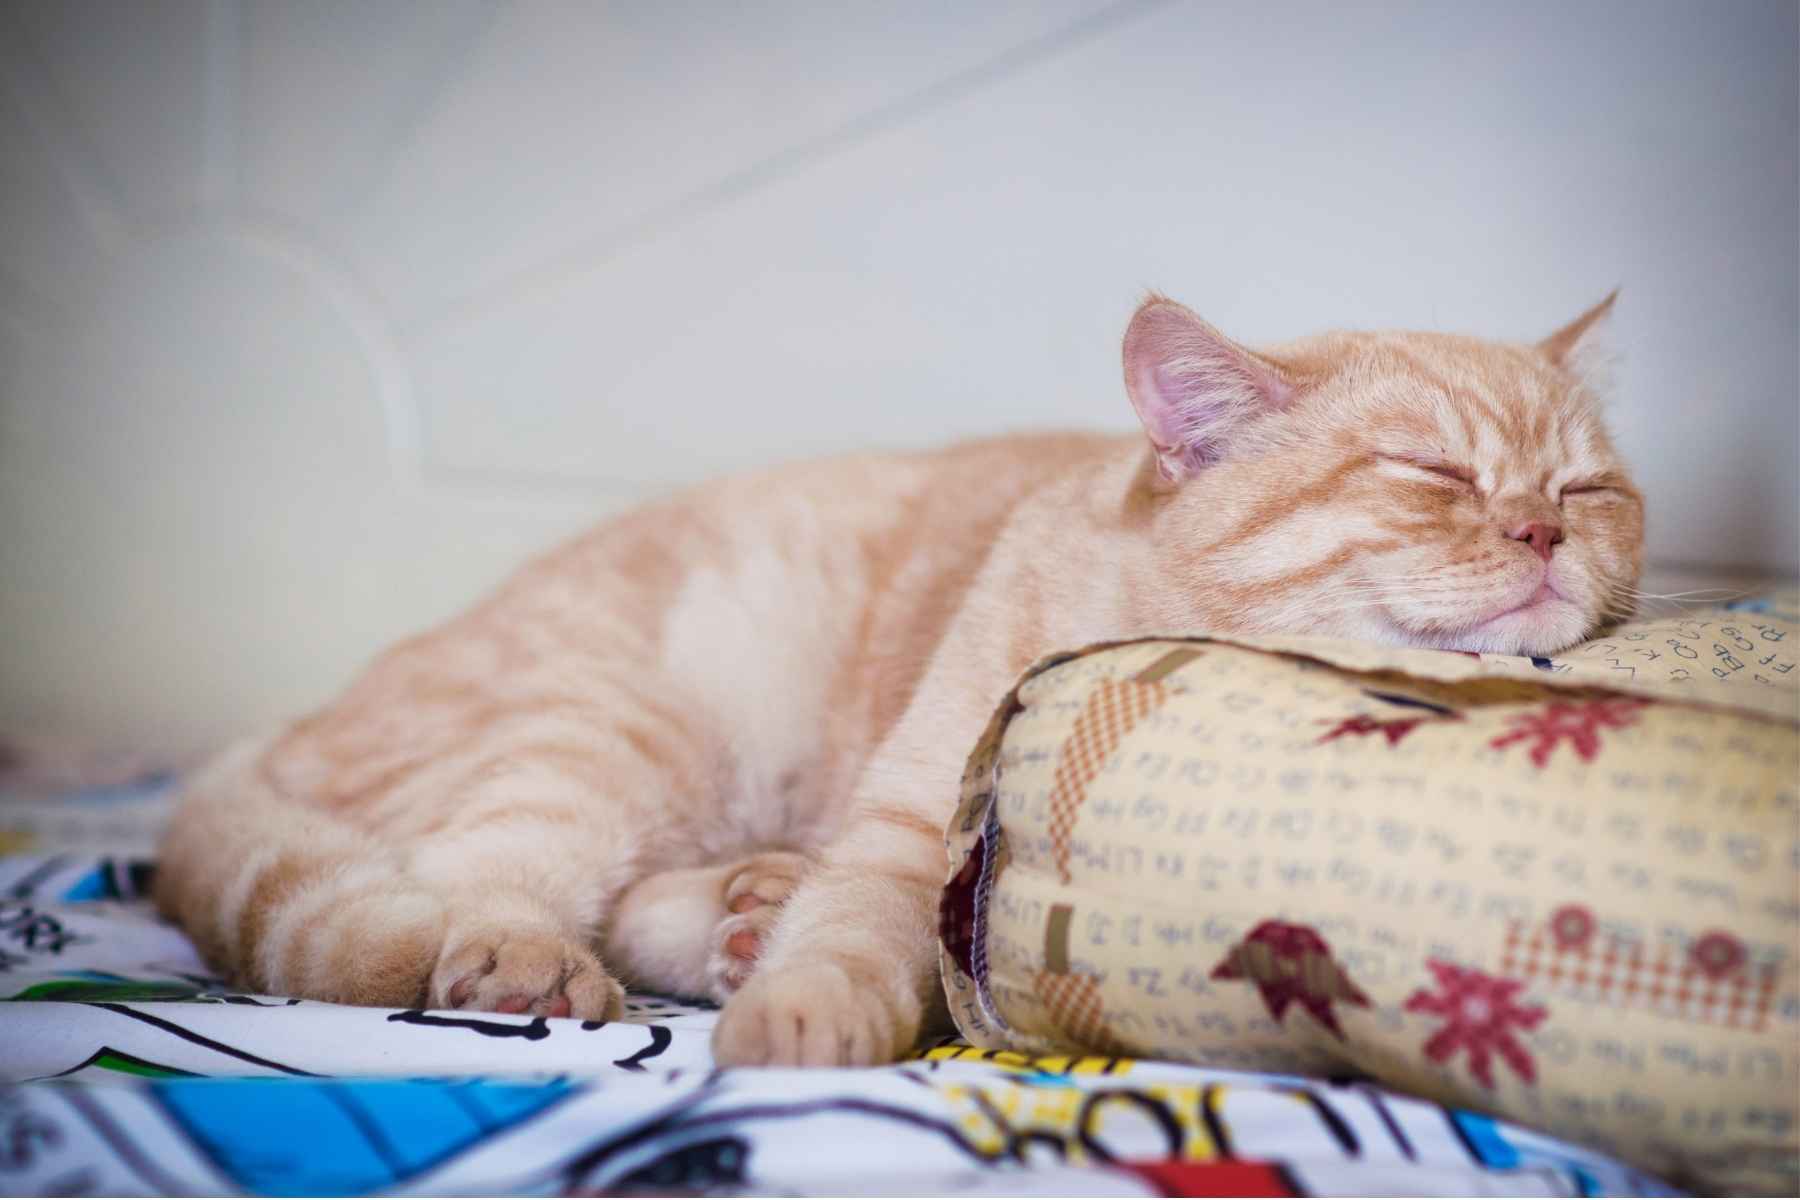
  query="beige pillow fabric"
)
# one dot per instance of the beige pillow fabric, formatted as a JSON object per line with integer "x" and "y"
{"x": 1565, "y": 891}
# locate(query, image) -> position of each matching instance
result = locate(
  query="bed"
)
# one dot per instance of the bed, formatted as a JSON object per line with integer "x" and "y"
{"x": 129, "y": 1070}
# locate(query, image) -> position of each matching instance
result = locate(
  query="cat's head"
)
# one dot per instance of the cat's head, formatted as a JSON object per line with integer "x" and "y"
{"x": 1418, "y": 488}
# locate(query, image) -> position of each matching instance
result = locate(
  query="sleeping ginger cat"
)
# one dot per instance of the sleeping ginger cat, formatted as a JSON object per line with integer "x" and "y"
{"x": 710, "y": 747}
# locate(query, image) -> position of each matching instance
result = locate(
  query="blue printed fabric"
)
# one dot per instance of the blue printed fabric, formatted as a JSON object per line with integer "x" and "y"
{"x": 130, "y": 1071}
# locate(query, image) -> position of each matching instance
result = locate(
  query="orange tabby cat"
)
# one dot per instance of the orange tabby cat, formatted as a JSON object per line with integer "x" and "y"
{"x": 710, "y": 747}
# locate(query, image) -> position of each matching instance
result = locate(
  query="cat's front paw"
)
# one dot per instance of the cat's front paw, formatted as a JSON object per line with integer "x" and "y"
{"x": 819, "y": 1014}
{"x": 517, "y": 971}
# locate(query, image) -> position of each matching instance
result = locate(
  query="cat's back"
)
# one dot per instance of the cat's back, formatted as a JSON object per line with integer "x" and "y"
{"x": 846, "y": 497}
{"x": 773, "y": 623}
{"x": 831, "y": 527}
{"x": 812, "y": 596}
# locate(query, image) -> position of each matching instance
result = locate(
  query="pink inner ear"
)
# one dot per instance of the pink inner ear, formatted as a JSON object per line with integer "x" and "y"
{"x": 1192, "y": 386}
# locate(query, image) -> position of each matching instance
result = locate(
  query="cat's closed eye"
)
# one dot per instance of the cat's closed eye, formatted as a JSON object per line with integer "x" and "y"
{"x": 1589, "y": 488}
{"x": 1448, "y": 471}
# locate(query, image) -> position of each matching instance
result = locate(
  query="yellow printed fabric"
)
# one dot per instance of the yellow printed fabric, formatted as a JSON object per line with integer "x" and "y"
{"x": 1565, "y": 891}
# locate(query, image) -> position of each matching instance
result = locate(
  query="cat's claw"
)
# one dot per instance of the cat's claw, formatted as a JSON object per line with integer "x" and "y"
{"x": 815, "y": 1015}
{"x": 516, "y": 972}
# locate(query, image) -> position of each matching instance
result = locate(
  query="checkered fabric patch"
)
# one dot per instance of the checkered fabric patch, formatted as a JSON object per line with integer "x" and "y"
{"x": 1111, "y": 712}
{"x": 1074, "y": 1003}
{"x": 1702, "y": 983}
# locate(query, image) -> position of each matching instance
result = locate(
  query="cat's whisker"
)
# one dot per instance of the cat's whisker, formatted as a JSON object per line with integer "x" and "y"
{"x": 1633, "y": 601}
{"x": 1350, "y": 606}
{"x": 1395, "y": 587}
{"x": 1707, "y": 592}
{"x": 1393, "y": 596}
{"x": 1708, "y": 596}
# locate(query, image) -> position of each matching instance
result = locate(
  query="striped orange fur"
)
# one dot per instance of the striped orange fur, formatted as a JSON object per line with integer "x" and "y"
{"x": 709, "y": 747}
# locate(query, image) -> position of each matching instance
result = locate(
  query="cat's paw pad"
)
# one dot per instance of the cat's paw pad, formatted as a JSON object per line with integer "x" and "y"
{"x": 514, "y": 972}
{"x": 819, "y": 1014}
{"x": 753, "y": 900}
{"x": 737, "y": 944}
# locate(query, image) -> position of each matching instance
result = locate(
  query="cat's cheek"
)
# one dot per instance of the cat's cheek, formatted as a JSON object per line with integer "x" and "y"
{"x": 1609, "y": 518}
{"x": 1596, "y": 558}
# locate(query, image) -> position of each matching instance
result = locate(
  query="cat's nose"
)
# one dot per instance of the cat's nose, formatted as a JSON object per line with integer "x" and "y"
{"x": 1543, "y": 535}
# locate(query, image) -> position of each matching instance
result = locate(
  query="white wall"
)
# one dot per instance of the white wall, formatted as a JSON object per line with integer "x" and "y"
{"x": 315, "y": 317}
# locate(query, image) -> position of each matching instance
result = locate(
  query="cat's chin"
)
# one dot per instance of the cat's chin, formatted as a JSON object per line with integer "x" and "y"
{"x": 1542, "y": 626}
{"x": 1544, "y": 623}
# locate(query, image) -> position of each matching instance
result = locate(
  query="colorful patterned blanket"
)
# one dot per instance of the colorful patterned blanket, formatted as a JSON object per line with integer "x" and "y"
{"x": 130, "y": 1071}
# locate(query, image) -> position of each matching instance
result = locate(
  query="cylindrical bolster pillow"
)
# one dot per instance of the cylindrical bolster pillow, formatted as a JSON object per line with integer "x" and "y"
{"x": 1564, "y": 891}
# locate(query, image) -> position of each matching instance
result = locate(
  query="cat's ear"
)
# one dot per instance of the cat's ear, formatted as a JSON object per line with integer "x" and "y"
{"x": 1583, "y": 347}
{"x": 1192, "y": 386}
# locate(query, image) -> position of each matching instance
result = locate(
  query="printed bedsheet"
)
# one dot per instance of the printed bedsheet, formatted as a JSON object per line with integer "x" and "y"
{"x": 129, "y": 1070}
